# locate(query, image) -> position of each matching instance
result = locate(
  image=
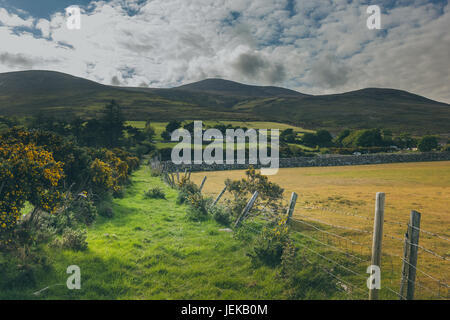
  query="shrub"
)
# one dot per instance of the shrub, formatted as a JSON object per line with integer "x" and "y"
{"x": 155, "y": 193}
{"x": 84, "y": 211}
{"x": 269, "y": 246}
{"x": 105, "y": 210}
{"x": 186, "y": 188}
{"x": 198, "y": 205}
{"x": 427, "y": 143}
{"x": 446, "y": 148}
{"x": 72, "y": 239}
{"x": 221, "y": 214}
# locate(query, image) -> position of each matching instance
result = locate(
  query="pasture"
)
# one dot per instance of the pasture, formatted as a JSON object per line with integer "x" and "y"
{"x": 344, "y": 197}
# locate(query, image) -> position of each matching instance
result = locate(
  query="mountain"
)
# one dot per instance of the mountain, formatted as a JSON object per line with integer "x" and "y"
{"x": 231, "y": 88}
{"x": 61, "y": 95}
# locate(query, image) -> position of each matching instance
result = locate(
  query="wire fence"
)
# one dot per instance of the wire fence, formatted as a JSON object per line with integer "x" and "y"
{"x": 353, "y": 243}
{"x": 438, "y": 290}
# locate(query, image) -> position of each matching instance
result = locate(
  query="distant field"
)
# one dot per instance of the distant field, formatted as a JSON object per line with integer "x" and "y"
{"x": 351, "y": 190}
{"x": 160, "y": 127}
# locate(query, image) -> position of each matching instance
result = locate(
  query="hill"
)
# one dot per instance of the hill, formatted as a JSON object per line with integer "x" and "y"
{"x": 61, "y": 95}
{"x": 226, "y": 87}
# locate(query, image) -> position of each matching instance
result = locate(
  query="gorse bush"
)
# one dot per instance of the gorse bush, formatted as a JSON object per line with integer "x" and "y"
{"x": 186, "y": 188}
{"x": 270, "y": 244}
{"x": 270, "y": 195}
{"x": 72, "y": 239}
{"x": 155, "y": 193}
{"x": 198, "y": 207}
{"x": 221, "y": 214}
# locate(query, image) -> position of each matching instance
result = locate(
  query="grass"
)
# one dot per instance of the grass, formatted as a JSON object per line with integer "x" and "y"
{"x": 351, "y": 189}
{"x": 149, "y": 251}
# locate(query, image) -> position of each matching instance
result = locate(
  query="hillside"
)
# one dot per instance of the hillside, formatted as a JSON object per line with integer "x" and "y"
{"x": 226, "y": 87}
{"x": 30, "y": 92}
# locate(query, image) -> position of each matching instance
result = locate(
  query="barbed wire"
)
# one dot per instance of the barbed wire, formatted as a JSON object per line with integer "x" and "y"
{"x": 426, "y": 288}
{"x": 335, "y": 226}
{"x": 336, "y": 211}
{"x": 441, "y": 283}
{"x": 331, "y": 246}
{"x": 339, "y": 279}
{"x": 334, "y": 262}
{"x": 431, "y": 233}
{"x": 395, "y": 292}
{"x": 327, "y": 232}
{"x": 367, "y": 218}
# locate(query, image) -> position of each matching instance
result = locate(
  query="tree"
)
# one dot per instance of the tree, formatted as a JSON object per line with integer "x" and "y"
{"x": 323, "y": 138}
{"x": 309, "y": 139}
{"x": 112, "y": 124}
{"x": 344, "y": 134}
{"x": 404, "y": 140}
{"x": 427, "y": 143}
{"x": 364, "y": 138}
{"x": 170, "y": 127}
{"x": 288, "y": 136}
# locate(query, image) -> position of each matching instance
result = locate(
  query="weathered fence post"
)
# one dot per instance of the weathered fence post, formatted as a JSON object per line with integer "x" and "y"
{"x": 178, "y": 176}
{"x": 377, "y": 238}
{"x": 173, "y": 179}
{"x": 247, "y": 208}
{"x": 219, "y": 196}
{"x": 410, "y": 251}
{"x": 185, "y": 174}
{"x": 203, "y": 183}
{"x": 290, "y": 210}
{"x": 189, "y": 174}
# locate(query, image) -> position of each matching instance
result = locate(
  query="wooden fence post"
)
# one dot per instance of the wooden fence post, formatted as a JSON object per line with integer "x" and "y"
{"x": 377, "y": 238}
{"x": 201, "y": 186}
{"x": 247, "y": 208}
{"x": 189, "y": 175}
{"x": 290, "y": 210}
{"x": 178, "y": 176}
{"x": 410, "y": 257}
{"x": 219, "y": 196}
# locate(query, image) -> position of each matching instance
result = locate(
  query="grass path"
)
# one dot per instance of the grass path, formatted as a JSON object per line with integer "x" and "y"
{"x": 149, "y": 251}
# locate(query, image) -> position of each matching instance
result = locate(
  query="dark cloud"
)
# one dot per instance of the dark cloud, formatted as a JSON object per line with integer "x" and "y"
{"x": 17, "y": 60}
{"x": 115, "y": 81}
{"x": 328, "y": 72}
{"x": 253, "y": 66}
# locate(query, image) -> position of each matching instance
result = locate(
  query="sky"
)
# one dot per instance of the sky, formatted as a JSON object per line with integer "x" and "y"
{"x": 312, "y": 46}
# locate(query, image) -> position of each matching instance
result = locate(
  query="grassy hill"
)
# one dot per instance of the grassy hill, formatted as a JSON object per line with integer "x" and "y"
{"x": 29, "y": 92}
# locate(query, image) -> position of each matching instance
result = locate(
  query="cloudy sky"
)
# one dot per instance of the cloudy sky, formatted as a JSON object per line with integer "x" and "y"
{"x": 313, "y": 46}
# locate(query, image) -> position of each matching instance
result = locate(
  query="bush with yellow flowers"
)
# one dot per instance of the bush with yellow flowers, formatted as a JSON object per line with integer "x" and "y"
{"x": 270, "y": 244}
{"x": 27, "y": 173}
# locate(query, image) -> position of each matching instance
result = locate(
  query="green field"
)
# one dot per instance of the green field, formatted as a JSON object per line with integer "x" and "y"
{"x": 150, "y": 251}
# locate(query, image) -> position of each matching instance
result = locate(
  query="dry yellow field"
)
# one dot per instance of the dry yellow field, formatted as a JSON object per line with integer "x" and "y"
{"x": 346, "y": 198}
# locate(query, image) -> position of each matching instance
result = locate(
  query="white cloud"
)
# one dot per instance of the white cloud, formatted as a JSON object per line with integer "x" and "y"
{"x": 323, "y": 47}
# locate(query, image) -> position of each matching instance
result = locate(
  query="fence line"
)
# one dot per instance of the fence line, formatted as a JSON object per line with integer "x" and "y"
{"x": 335, "y": 226}
{"x": 331, "y": 246}
{"x": 347, "y": 213}
{"x": 334, "y": 262}
{"x": 339, "y": 279}
{"x": 356, "y": 259}
{"x": 330, "y": 233}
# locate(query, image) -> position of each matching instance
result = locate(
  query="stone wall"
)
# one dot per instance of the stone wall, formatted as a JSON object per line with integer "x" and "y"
{"x": 322, "y": 161}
